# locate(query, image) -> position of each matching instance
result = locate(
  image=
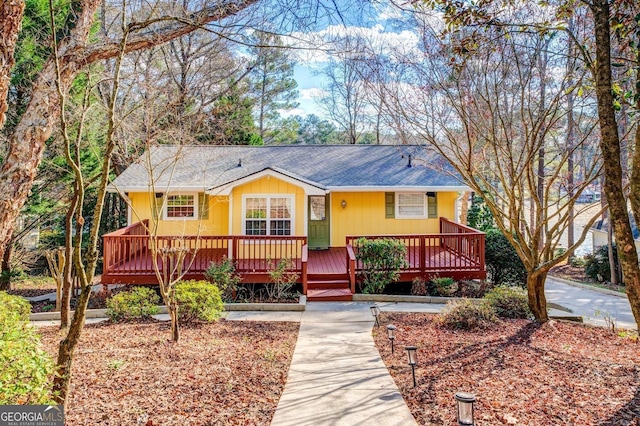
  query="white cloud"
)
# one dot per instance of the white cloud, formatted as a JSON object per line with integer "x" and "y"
{"x": 320, "y": 46}
{"x": 312, "y": 93}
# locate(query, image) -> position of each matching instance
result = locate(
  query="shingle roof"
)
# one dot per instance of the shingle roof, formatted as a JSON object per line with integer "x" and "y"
{"x": 323, "y": 166}
{"x": 603, "y": 225}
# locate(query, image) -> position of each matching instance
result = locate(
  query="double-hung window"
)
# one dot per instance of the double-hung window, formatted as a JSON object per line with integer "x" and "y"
{"x": 181, "y": 206}
{"x": 268, "y": 215}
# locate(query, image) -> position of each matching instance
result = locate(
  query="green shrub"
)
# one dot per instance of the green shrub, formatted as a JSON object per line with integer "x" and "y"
{"x": 479, "y": 216}
{"x": 466, "y": 314}
{"x": 381, "y": 261}
{"x": 281, "y": 279}
{"x": 442, "y": 286}
{"x": 25, "y": 369}
{"x": 597, "y": 264}
{"x": 503, "y": 263}
{"x": 577, "y": 261}
{"x": 139, "y": 302}
{"x": 509, "y": 302}
{"x": 223, "y": 275}
{"x": 198, "y": 301}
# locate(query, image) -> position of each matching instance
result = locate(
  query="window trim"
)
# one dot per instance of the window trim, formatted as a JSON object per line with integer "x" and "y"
{"x": 292, "y": 205}
{"x": 165, "y": 210}
{"x": 425, "y": 206}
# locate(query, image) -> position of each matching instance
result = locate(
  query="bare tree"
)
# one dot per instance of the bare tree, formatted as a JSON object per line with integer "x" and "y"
{"x": 486, "y": 116}
{"x": 11, "y": 12}
{"x": 27, "y": 143}
{"x": 345, "y": 100}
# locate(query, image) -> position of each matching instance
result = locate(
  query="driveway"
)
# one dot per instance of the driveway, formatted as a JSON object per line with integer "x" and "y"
{"x": 593, "y": 305}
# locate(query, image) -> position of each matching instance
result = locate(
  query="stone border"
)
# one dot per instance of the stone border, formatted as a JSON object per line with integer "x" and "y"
{"x": 427, "y": 299}
{"x": 102, "y": 313}
{"x": 399, "y": 298}
{"x": 587, "y": 287}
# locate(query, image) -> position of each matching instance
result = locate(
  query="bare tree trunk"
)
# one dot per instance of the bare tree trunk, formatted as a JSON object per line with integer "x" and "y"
{"x": 5, "y": 270}
{"x": 464, "y": 207}
{"x": 62, "y": 379}
{"x": 610, "y": 146}
{"x": 11, "y": 12}
{"x": 571, "y": 126}
{"x": 537, "y": 298}
{"x": 634, "y": 183}
{"x": 613, "y": 266}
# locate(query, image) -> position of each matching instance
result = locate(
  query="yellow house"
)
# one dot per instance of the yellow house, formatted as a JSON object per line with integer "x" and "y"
{"x": 305, "y": 202}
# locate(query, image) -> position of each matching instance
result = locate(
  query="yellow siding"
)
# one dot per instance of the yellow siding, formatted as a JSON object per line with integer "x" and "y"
{"x": 365, "y": 215}
{"x": 216, "y": 224}
{"x": 266, "y": 186}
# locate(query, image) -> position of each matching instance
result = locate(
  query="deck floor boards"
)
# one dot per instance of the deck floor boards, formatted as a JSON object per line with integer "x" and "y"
{"x": 329, "y": 261}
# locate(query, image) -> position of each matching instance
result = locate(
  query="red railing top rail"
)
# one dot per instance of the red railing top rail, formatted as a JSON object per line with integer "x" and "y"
{"x": 407, "y": 236}
{"x": 466, "y": 229}
{"x": 133, "y": 229}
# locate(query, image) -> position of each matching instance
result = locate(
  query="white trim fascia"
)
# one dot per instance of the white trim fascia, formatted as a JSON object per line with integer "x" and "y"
{"x": 226, "y": 189}
{"x": 129, "y": 212}
{"x": 156, "y": 188}
{"x": 398, "y": 188}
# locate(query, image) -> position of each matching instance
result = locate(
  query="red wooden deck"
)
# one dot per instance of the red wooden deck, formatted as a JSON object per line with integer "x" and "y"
{"x": 456, "y": 252}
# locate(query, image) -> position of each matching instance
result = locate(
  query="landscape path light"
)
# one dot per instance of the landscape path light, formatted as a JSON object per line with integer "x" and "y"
{"x": 391, "y": 333}
{"x": 464, "y": 402}
{"x": 412, "y": 355}
{"x": 375, "y": 311}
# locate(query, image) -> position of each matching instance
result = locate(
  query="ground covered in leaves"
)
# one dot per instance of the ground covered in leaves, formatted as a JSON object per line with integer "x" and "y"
{"x": 521, "y": 373}
{"x": 225, "y": 373}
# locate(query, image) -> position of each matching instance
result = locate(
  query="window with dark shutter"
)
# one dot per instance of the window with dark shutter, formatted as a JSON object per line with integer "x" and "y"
{"x": 390, "y": 205}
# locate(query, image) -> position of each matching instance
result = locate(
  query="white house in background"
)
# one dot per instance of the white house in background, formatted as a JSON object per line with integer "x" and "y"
{"x": 600, "y": 229}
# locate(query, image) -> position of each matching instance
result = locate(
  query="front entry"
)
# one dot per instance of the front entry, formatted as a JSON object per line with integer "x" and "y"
{"x": 318, "y": 234}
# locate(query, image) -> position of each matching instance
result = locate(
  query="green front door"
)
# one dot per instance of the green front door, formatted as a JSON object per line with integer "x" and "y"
{"x": 319, "y": 222}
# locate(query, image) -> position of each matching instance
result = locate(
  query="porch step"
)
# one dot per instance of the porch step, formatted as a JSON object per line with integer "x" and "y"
{"x": 327, "y": 276}
{"x": 327, "y": 284}
{"x": 329, "y": 295}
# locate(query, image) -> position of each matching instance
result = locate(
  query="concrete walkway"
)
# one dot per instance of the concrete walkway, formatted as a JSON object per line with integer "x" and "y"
{"x": 337, "y": 376}
{"x": 591, "y": 304}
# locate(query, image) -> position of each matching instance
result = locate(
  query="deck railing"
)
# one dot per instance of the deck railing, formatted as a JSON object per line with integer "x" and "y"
{"x": 456, "y": 248}
{"x": 128, "y": 251}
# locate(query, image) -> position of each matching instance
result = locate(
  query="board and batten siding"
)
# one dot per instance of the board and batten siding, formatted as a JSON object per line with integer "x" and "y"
{"x": 216, "y": 222}
{"x": 269, "y": 186}
{"x": 366, "y": 214}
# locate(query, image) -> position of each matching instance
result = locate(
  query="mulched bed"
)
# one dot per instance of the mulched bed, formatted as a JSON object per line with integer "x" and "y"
{"x": 225, "y": 373}
{"x": 521, "y": 373}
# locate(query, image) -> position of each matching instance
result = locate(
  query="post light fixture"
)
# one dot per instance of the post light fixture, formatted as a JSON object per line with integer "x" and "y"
{"x": 375, "y": 311}
{"x": 413, "y": 359}
{"x": 343, "y": 203}
{"x": 464, "y": 402}
{"x": 391, "y": 332}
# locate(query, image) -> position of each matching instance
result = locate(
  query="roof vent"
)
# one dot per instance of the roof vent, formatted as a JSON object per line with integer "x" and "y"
{"x": 240, "y": 162}
{"x": 409, "y": 163}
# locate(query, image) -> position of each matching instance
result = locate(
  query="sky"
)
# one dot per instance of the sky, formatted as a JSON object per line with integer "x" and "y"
{"x": 381, "y": 25}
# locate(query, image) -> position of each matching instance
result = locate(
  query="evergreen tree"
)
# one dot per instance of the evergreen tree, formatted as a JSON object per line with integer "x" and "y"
{"x": 271, "y": 81}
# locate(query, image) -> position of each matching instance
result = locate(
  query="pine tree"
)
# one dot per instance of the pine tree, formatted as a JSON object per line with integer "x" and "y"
{"x": 271, "y": 79}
